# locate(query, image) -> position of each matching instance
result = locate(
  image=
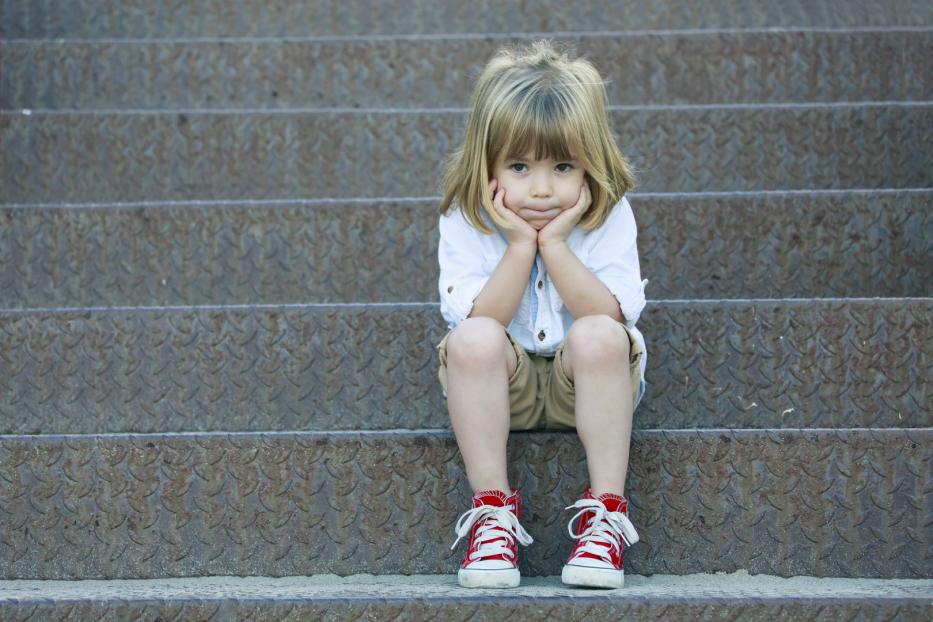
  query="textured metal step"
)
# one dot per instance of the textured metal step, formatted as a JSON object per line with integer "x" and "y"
{"x": 74, "y": 157}
{"x": 760, "y": 245}
{"x": 657, "y": 68}
{"x": 731, "y": 364}
{"x": 736, "y": 596}
{"x": 264, "y": 18}
{"x": 853, "y": 503}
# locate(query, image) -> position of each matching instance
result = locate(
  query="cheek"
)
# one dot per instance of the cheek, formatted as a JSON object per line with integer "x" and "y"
{"x": 569, "y": 194}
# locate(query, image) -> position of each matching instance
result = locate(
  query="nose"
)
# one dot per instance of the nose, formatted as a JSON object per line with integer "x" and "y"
{"x": 541, "y": 185}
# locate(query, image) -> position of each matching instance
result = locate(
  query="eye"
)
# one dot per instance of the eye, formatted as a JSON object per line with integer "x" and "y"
{"x": 518, "y": 167}
{"x": 564, "y": 167}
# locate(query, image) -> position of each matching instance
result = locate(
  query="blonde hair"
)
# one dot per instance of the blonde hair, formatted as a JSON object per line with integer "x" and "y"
{"x": 537, "y": 98}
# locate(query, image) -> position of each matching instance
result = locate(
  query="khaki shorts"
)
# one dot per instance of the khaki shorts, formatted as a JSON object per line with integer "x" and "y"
{"x": 540, "y": 394}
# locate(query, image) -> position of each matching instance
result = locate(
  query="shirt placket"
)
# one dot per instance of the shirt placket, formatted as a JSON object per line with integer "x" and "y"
{"x": 540, "y": 316}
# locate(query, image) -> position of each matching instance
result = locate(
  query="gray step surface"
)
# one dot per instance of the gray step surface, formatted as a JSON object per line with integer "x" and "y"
{"x": 431, "y": 597}
{"x": 264, "y": 18}
{"x": 842, "y": 244}
{"x": 640, "y": 68}
{"x": 731, "y": 364}
{"x": 853, "y": 503}
{"x": 119, "y": 156}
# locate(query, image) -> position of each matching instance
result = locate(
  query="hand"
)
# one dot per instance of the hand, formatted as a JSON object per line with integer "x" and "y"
{"x": 518, "y": 231}
{"x": 556, "y": 231}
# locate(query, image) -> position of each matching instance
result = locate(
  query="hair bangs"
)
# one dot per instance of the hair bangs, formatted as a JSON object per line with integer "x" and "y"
{"x": 542, "y": 123}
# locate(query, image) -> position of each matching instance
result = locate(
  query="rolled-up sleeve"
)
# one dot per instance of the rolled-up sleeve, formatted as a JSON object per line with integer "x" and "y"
{"x": 462, "y": 269}
{"x": 613, "y": 258}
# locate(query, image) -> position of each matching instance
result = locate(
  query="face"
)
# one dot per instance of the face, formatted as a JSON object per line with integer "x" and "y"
{"x": 539, "y": 190}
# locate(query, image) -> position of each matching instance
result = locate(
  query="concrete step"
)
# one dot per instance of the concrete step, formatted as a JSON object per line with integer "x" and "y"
{"x": 276, "y": 18}
{"x": 852, "y": 502}
{"x": 731, "y": 364}
{"x": 846, "y": 244}
{"x": 117, "y": 156}
{"x": 736, "y": 596}
{"x": 691, "y": 67}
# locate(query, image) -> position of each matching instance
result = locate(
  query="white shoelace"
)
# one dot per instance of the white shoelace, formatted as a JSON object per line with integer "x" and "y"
{"x": 504, "y": 527}
{"x": 604, "y": 528}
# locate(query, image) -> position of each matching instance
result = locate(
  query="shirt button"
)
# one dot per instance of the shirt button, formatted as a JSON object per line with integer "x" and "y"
{"x": 540, "y": 284}
{"x": 541, "y": 336}
{"x": 450, "y": 289}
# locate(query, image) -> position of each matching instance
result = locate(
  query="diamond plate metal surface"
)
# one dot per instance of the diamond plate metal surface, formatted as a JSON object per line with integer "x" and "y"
{"x": 52, "y": 158}
{"x": 432, "y": 597}
{"x": 819, "y": 502}
{"x": 502, "y": 608}
{"x": 264, "y": 18}
{"x": 658, "y": 68}
{"x": 847, "y": 244}
{"x": 733, "y": 364}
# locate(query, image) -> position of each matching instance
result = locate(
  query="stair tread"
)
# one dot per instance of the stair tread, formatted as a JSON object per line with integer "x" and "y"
{"x": 133, "y": 156}
{"x": 735, "y": 586}
{"x": 857, "y": 243}
{"x": 262, "y": 18}
{"x": 851, "y": 502}
{"x": 711, "y": 363}
{"x": 668, "y": 67}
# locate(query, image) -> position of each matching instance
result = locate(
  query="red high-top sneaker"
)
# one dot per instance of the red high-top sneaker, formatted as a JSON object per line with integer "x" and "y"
{"x": 491, "y": 559}
{"x": 602, "y": 531}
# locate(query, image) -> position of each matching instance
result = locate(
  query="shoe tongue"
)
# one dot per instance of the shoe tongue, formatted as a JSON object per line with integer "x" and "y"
{"x": 614, "y": 503}
{"x": 495, "y": 498}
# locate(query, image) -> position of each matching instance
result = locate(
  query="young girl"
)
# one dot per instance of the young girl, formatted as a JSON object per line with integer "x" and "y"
{"x": 541, "y": 287}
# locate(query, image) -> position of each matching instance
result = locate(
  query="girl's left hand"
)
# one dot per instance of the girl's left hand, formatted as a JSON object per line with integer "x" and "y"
{"x": 556, "y": 231}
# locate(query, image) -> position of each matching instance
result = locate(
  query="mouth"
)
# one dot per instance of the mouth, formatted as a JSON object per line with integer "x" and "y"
{"x": 545, "y": 214}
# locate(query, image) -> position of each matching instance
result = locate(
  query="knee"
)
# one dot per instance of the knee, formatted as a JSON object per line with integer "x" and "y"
{"x": 598, "y": 340}
{"x": 476, "y": 343}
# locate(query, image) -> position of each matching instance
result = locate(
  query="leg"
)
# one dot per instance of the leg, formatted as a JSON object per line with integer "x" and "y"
{"x": 596, "y": 360}
{"x": 480, "y": 361}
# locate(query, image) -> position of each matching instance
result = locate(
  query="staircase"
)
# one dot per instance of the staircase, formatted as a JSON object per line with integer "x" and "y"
{"x": 218, "y": 310}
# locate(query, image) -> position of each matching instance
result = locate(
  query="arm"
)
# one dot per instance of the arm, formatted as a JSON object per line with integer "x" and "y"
{"x": 503, "y": 292}
{"x": 610, "y": 280}
{"x": 465, "y": 289}
{"x": 582, "y": 291}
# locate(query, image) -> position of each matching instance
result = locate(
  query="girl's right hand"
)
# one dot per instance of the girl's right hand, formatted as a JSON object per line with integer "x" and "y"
{"x": 518, "y": 232}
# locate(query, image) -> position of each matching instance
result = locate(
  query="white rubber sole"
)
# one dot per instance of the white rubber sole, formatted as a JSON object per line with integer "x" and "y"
{"x": 507, "y": 577}
{"x": 583, "y": 576}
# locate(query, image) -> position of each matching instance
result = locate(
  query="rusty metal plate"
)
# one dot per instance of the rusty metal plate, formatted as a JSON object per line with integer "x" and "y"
{"x": 733, "y": 364}
{"x": 824, "y": 503}
{"x": 78, "y": 158}
{"x": 276, "y": 18}
{"x": 845, "y": 244}
{"x": 657, "y": 68}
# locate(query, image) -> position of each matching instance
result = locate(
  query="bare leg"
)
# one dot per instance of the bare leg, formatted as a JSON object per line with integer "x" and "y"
{"x": 595, "y": 358}
{"x": 480, "y": 361}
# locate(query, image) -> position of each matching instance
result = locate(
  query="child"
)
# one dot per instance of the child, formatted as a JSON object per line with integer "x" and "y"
{"x": 540, "y": 284}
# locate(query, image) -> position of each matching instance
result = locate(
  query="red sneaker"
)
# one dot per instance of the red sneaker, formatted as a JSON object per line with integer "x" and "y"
{"x": 602, "y": 531}
{"x": 491, "y": 559}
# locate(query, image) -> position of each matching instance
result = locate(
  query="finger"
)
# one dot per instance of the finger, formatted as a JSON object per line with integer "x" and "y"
{"x": 493, "y": 184}
{"x": 498, "y": 203}
{"x": 583, "y": 202}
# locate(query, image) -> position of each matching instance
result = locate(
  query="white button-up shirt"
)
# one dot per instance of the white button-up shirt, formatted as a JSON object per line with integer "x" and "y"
{"x": 468, "y": 258}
